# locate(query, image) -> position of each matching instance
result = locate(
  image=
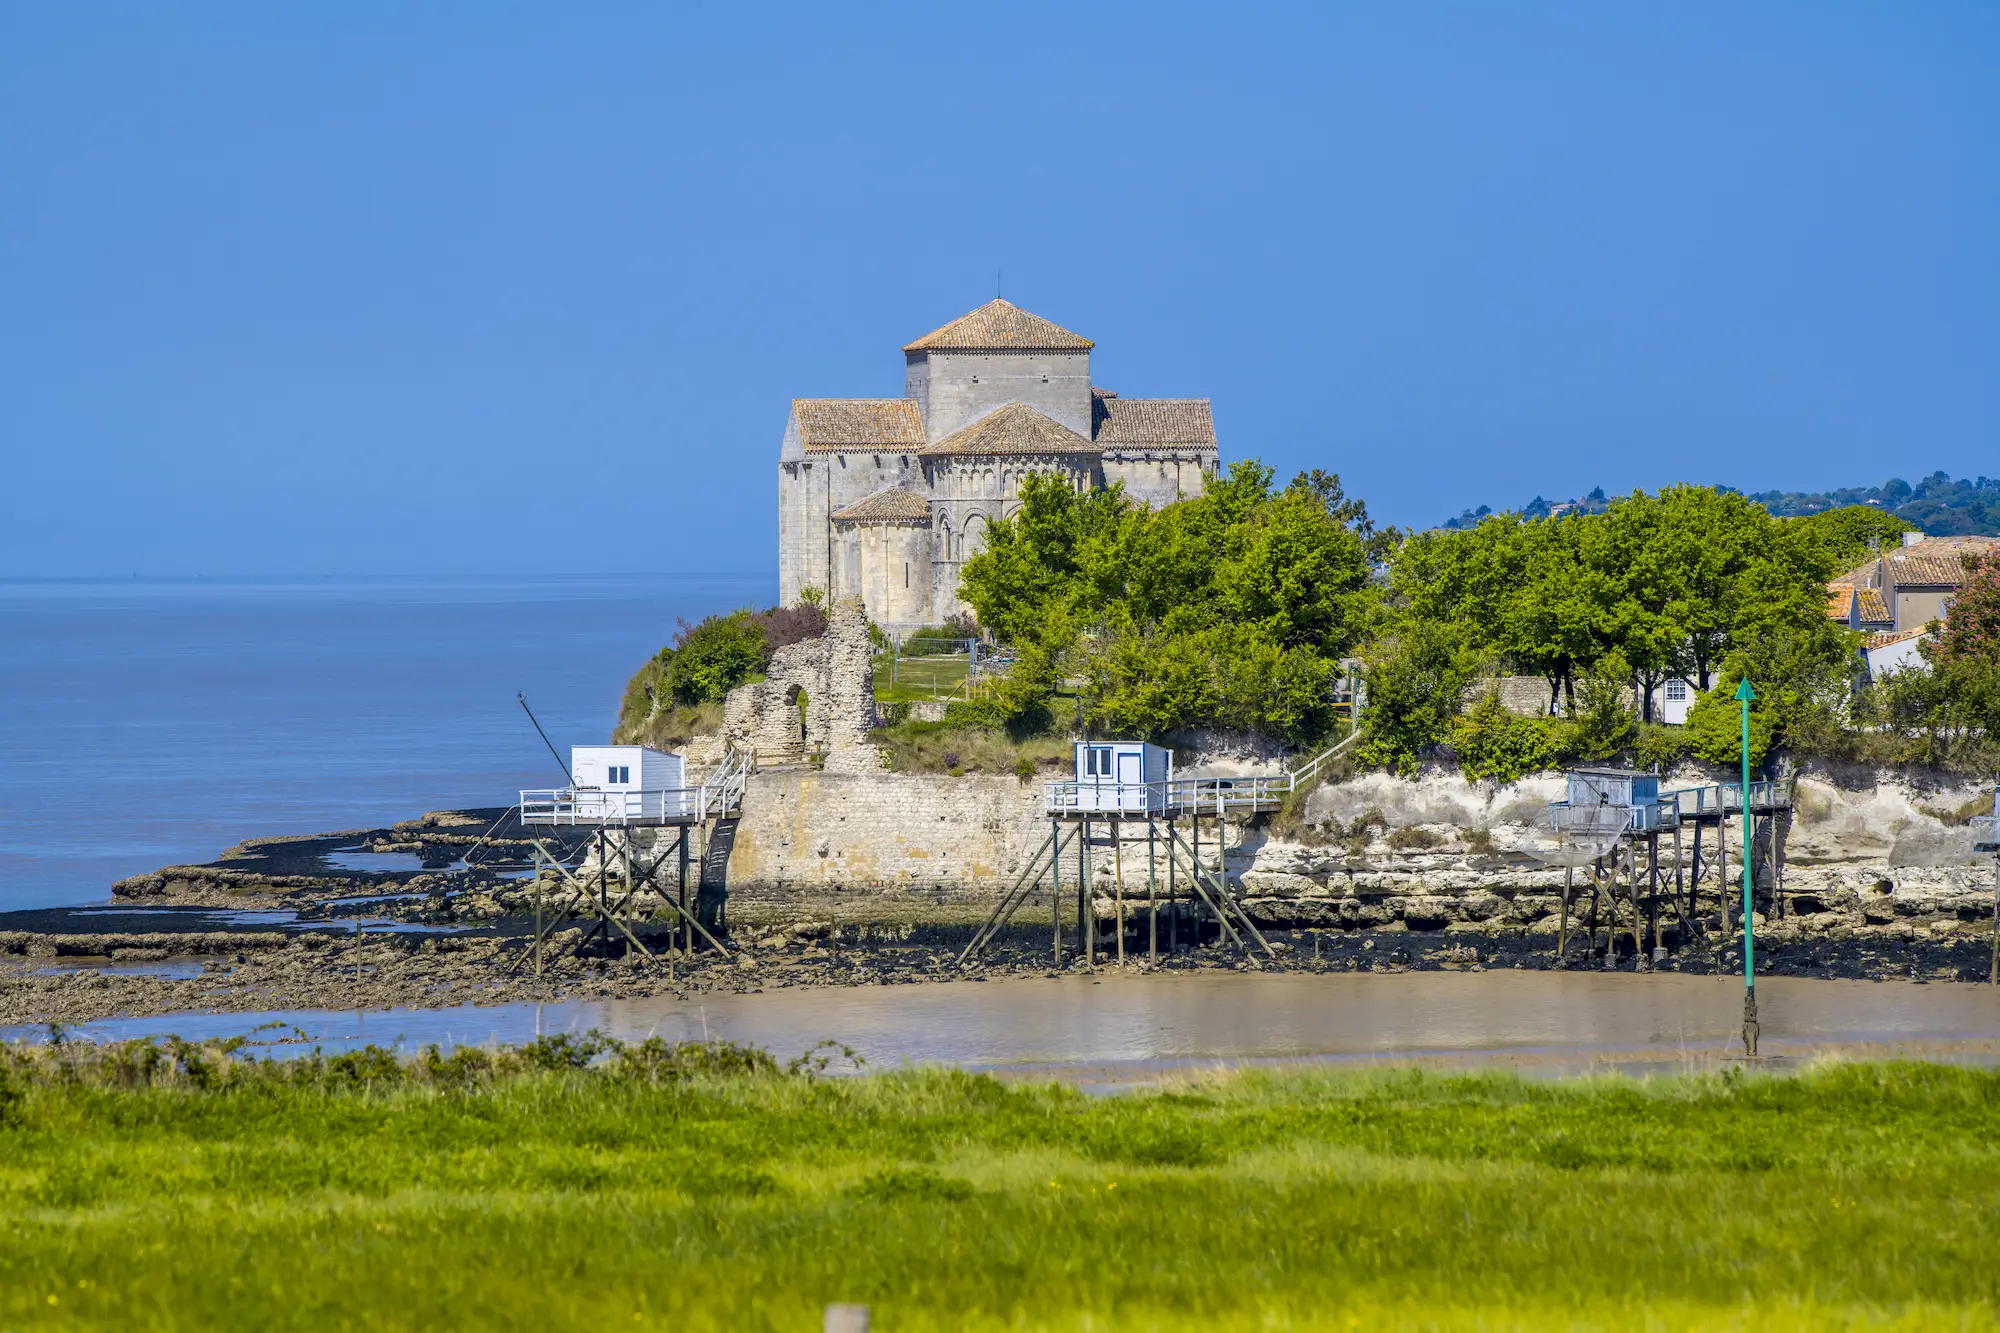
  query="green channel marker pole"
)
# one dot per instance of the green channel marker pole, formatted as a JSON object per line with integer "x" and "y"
{"x": 1744, "y": 695}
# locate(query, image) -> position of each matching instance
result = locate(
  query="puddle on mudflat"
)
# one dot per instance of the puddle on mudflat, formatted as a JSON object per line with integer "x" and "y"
{"x": 374, "y": 863}
{"x": 1115, "y": 1031}
{"x": 177, "y": 969}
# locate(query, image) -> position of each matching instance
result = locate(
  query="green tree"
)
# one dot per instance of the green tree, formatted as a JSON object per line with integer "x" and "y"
{"x": 1417, "y": 680}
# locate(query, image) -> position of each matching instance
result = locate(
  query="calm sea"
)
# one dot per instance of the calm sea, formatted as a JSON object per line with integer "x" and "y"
{"x": 146, "y": 723}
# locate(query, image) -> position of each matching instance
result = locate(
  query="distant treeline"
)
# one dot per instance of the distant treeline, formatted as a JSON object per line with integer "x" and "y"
{"x": 1937, "y": 505}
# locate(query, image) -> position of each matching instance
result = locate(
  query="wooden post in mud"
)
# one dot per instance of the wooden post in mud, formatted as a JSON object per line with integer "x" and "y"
{"x": 1152, "y": 898}
{"x": 1055, "y": 887}
{"x": 1639, "y": 917}
{"x": 686, "y": 937}
{"x": 1194, "y": 855}
{"x": 1173, "y": 895}
{"x": 1722, "y": 873}
{"x": 1590, "y": 924}
{"x": 1562, "y": 924}
{"x": 1653, "y": 889}
{"x": 1995, "y": 978}
{"x": 1677, "y": 868}
{"x": 1086, "y": 914}
{"x": 1118, "y": 882}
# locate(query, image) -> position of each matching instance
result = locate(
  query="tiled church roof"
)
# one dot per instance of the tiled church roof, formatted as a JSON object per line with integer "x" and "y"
{"x": 1000, "y": 326}
{"x": 894, "y": 505}
{"x": 1187, "y": 423}
{"x": 1013, "y": 429}
{"x": 858, "y": 423}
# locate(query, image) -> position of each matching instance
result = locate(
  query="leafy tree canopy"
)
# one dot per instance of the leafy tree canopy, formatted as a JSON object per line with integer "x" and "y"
{"x": 1229, "y": 609}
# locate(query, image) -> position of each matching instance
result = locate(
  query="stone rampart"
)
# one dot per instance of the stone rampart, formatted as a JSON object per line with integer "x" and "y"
{"x": 809, "y": 835}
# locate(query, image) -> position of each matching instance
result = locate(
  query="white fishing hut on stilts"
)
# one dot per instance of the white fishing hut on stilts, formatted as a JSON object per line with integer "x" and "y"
{"x": 615, "y": 790}
{"x": 1118, "y": 785}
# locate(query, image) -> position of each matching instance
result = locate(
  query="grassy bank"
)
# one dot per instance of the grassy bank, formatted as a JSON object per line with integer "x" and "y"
{"x": 705, "y": 1190}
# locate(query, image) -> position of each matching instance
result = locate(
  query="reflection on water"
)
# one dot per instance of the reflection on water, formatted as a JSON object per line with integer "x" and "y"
{"x": 1118, "y": 1027}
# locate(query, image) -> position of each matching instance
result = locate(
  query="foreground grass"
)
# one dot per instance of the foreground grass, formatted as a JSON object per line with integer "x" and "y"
{"x": 699, "y": 1189}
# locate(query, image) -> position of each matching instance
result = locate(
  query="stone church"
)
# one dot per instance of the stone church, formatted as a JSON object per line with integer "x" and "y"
{"x": 885, "y": 498}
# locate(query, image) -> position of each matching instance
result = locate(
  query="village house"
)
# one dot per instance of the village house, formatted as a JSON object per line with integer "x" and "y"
{"x": 1903, "y": 589}
{"x": 886, "y": 498}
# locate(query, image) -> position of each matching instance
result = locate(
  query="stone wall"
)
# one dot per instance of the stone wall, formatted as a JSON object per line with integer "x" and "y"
{"x": 834, "y": 674}
{"x": 807, "y": 836}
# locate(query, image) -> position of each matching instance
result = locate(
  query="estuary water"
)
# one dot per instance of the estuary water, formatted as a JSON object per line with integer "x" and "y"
{"x": 144, "y": 723}
{"x": 1116, "y": 1030}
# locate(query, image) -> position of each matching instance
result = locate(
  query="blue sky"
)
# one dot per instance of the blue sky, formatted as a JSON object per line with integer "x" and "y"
{"x": 402, "y": 288}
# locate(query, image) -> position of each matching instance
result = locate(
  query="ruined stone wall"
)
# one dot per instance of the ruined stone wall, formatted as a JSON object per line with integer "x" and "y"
{"x": 834, "y": 673}
{"x": 809, "y": 835}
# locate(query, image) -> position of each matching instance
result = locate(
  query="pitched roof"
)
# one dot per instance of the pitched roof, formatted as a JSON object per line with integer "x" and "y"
{"x": 894, "y": 505}
{"x": 1013, "y": 429}
{"x": 1839, "y": 600}
{"x": 1187, "y": 423}
{"x": 827, "y": 424}
{"x": 1000, "y": 325}
{"x": 1887, "y": 637}
{"x": 1913, "y": 567}
{"x": 1874, "y": 609}
{"x": 1861, "y": 576}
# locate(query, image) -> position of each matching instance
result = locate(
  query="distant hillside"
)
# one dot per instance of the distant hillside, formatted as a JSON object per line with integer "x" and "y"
{"x": 1937, "y": 505}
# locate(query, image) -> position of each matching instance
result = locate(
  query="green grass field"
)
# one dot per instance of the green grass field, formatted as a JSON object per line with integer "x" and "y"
{"x": 691, "y": 1190}
{"x": 914, "y": 678}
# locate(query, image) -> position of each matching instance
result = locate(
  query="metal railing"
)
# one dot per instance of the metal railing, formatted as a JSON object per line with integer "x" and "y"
{"x": 721, "y": 794}
{"x": 1602, "y": 821}
{"x": 1985, "y": 833}
{"x": 1695, "y": 802}
{"x": 596, "y": 805}
{"x": 1206, "y": 795}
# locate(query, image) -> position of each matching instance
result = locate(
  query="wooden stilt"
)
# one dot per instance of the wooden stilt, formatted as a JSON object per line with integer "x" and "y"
{"x": 1653, "y": 892}
{"x": 1118, "y": 882}
{"x": 1055, "y": 889}
{"x": 1722, "y": 872}
{"x": 1086, "y": 916}
{"x": 1173, "y": 897}
{"x": 1152, "y": 899}
{"x": 1195, "y": 870}
{"x": 1590, "y": 948}
{"x": 1639, "y": 963}
{"x": 1562, "y": 925}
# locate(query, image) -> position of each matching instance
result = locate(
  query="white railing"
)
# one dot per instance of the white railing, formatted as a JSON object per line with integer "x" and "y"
{"x": 720, "y": 795}
{"x": 1985, "y": 833}
{"x": 595, "y": 805}
{"x": 1600, "y": 821}
{"x": 1693, "y": 802}
{"x": 1205, "y": 795}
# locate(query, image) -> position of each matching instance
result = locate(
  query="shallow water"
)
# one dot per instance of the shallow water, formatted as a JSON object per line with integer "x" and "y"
{"x": 1120, "y": 1029}
{"x": 149, "y": 723}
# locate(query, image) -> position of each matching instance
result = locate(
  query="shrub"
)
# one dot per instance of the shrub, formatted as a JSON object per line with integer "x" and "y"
{"x": 1604, "y": 724}
{"x": 1664, "y": 748}
{"x": 1493, "y": 743}
{"x": 1414, "y": 839}
{"x": 787, "y": 625}
{"x": 713, "y": 657}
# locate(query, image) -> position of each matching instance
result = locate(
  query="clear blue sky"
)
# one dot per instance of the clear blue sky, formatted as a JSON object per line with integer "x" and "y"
{"x": 381, "y": 288}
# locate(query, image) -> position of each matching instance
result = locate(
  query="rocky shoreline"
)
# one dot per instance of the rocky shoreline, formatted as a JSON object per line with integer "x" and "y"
{"x": 1375, "y": 873}
{"x": 51, "y": 979}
